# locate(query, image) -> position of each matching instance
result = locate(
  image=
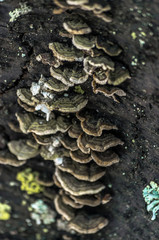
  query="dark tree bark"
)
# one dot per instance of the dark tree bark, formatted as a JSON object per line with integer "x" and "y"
{"x": 135, "y": 28}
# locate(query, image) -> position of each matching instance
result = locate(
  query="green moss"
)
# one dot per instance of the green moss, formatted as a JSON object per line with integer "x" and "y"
{"x": 78, "y": 89}
{"x": 28, "y": 181}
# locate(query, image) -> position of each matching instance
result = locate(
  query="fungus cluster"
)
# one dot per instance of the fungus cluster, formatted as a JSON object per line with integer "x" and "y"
{"x": 79, "y": 141}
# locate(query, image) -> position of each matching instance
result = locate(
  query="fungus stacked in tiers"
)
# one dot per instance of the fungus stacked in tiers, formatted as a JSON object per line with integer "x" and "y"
{"x": 78, "y": 140}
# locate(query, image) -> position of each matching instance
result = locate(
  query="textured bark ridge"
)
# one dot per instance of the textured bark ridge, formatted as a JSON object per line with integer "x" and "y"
{"x": 61, "y": 86}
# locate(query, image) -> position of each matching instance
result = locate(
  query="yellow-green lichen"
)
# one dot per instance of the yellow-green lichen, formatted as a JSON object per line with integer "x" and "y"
{"x": 78, "y": 89}
{"x": 28, "y": 181}
{"x": 5, "y": 210}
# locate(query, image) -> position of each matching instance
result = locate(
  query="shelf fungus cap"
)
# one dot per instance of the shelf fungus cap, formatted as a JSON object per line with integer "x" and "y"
{"x": 76, "y": 187}
{"x": 50, "y": 153}
{"x": 105, "y": 159}
{"x": 77, "y": 2}
{"x": 80, "y": 157}
{"x": 22, "y": 150}
{"x": 25, "y": 96}
{"x": 92, "y": 200}
{"x": 62, "y": 75}
{"x": 45, "y": 140}
{"x": 75, "y": 130}
{"x": 54, "y": 85}
{"x": 42, "y": 127}
{"x": 6, "y": 158}
{"x": 87, "y": 224}
{"x": 76, "y": 25}
{"x": 108, "y": 47}
{"x": 25, "y": 120}
{"x": 68, "y": 103}
{"x": 66, "y": 211}
{"x": 87, "y": 143}
{"x": 87, "y": 172}
{"x": 92, "y": 124}
{"x": 108, "y": 91}
{"x": 103, "y": 62}
{"x": 66, "y": 53}
{"x": 84, "y": 42}
{"x": 100, "y": 76}
{"x": 96, "y": 7}
{"x": 69, "y": 201}
{"x": 69, "y": 143}
{"x": 120, "y": 75}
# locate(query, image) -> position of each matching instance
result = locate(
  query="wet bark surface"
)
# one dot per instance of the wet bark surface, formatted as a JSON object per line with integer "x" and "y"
{"x": 136, "y": 115}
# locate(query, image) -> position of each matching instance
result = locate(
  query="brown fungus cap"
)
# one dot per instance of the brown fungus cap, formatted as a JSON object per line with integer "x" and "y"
{"x": 80, "y": 157}
{"x": 69, "y": 76}
{"x": 91, "y": 63}
{"x": 76, "y": 25}
{"x": 25, "y": 106}
{"x": 42, "y": 127}
{"x": 69, "y": 143}
{"x": 105, "y": 159}
{"x": 55, "y": 85}
{"x": 25, "y": 96}
{"x": 44, "y": 181}
{"x": 25, "y": 120}
{"x": 106, "y": 18}
{"x": 57, "y": 183}
{"x": 96, "y": 6}
{"x": 22, "y": 150}
{"x": 43, "y": 140}
{"x": 62, "y": 74}
{"x": 100, "y": 76}
{"x": 84, "y": 42}
{"x": 92, "y": 124}
{"x": 66, "y": 211}
{"x": 87, "y": 143}
{"x": 69, "y": 201}
{"x": 76, "y": 187}
{"x": 108, "y": 92}
{"x": 108, "y": 47}
{"x": 65, "y": 52}
{"x": 6, "y": 158}
{"x": 50, "y": 153}
{"x": 92, "y": 200}
{"x": 68, "y": 103}
{"x": 77, "y": 2}
{"x": 87, "y": 224}
{"x": 120, "y": 75}
{"x": 75, "y": 130}
{"x": 87, "y": 172}
{"x": 49, "y": 193}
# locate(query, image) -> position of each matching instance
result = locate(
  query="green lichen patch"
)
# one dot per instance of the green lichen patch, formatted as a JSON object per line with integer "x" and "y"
{"x": 22, "y": 10}
{"x": 151, "y": 197}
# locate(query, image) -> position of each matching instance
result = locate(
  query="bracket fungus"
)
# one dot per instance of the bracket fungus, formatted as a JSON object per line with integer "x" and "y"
{"x": 86, "y": 143}
{"x": 65, "y": 53}
{"x": 87, "y": 172}
{"x": 92, "y": 124}
{"x": 87, "y": 224}
{"x": 76, "y": 187}
{"x": 76, "y": 25}
{"x": 78, "y": 140}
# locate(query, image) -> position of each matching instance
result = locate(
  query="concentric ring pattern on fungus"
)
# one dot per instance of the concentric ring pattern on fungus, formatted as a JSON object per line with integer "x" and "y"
{"x": 79, "y": 141}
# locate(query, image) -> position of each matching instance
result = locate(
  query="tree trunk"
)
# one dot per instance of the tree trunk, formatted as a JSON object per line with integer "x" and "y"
{"x": 135, "y": 28}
